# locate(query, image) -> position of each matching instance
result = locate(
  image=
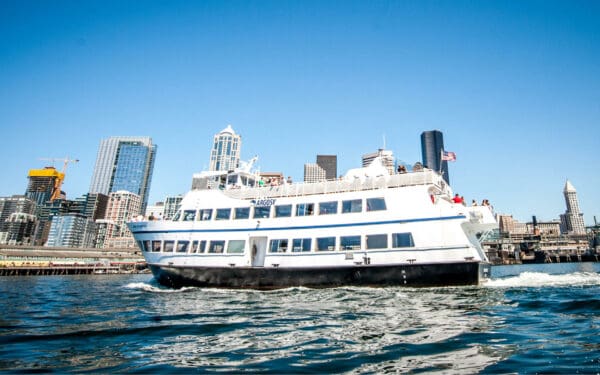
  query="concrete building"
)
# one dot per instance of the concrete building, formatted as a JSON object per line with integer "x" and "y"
{"x": 572, "y": 220}
{"x": 18, "y": 229}
{"x": 71, "y": 230}
{"x": 386, "y": 156}
{"x": 124, "y": 163}
{"x": 225, "y": 154}
{"x": 122, "y": 207}
{"x": 314, "y": 173}
{"x": 432, "y": 144}
{"x": 329, "y": 165}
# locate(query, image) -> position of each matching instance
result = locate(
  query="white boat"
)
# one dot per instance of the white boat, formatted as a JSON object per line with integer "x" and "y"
{"x": 368, "y": 228}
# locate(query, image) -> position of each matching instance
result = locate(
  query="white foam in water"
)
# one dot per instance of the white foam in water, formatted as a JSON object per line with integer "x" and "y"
{"x": 151, "y": 288}
{"x": 538, "y": 279}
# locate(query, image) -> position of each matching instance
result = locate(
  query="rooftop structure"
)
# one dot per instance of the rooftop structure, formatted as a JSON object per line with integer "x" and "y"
{"x": 225, "y": 154}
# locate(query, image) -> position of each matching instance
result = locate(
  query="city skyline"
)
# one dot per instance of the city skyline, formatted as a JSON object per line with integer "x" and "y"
{"x": 513, "y": 87}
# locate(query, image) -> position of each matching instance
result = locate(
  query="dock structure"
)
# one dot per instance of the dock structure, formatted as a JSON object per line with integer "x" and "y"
{"x": 41, "y": 261}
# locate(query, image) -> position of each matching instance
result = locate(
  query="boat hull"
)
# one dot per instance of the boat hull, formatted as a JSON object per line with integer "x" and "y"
{"x": 411, "y": 275}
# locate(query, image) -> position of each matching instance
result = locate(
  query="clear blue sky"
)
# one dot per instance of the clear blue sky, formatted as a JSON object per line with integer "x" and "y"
{"x": 513, "y": 85}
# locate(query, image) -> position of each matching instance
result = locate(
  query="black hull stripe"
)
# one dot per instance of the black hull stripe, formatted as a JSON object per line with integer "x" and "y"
{"x": 325, "y": 226}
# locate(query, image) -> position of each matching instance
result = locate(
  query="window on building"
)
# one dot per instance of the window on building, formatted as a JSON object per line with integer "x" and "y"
{"x": 156, "y": 246}
{"x": 205, "y": 214}
{"x": 216, "y": 247}
{"x": 326, "y": 243}
{"x": 262, "y": 212}
{"x": 328, "y": 208}
{"x": 402, "y": 240}
{"x": 283, "y": 210}
{"x": 182, "y": 246}
{"x": 278, "y": 246}
{"x": 223, "y": 214}
{"x": 168, "y": 246}
{"x": 189, "y": 215}
{"x": 236, "y": 246}
{"x": 377, "y": 241}
{"x": 350, "y": 243}
{"x": 242, "y": 213}
{"x": 354, "y": 205}
{"x": 375, "y": 204}
{"x": 301, "y": 244}
{"x": 305, "y": 209}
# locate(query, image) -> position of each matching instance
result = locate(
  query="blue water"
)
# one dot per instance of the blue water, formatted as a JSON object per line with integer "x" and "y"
{"x": 527, "y": 319}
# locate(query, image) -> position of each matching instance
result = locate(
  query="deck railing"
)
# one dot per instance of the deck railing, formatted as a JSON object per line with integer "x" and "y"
{"x": 339, "y": 186}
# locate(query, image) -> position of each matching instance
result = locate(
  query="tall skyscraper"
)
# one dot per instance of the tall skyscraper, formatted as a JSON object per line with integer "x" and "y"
{"x": 432, "y": 144}
{"x": 124, "y": 163}
{"x": 387, "y": 159}
{"x": 225, "y": 154}
{"x": 572, "y": 219}
{"x": 329, "y": 164}
{"x": 44, "y": 184}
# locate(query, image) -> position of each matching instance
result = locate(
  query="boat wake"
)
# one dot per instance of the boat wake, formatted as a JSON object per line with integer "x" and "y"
{"x": 539, "y": 279}
{"x": 148, "y": 287}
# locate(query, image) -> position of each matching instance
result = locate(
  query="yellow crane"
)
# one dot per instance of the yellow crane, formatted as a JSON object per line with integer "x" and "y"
{"x": 60, "y": 177}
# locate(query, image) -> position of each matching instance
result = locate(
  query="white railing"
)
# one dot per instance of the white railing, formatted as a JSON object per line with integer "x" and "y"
{"x": 339, "y": 186}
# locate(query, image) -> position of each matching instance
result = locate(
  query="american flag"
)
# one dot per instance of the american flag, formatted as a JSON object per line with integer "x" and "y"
{"x": 448, "y": 156}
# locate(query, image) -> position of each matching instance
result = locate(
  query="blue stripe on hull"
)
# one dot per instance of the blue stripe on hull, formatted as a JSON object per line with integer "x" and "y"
{"x": 325, "y": 226}
{"x": 413, "y": 275}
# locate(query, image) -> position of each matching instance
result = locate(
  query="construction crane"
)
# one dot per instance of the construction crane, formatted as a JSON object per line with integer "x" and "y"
{"x": 60, "y": 177}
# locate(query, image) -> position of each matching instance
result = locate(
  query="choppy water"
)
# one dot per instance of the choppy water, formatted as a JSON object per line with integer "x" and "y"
{"x": 527, "y": 319}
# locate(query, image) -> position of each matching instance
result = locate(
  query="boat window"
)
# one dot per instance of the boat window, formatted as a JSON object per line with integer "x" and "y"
{"x": 301, "y": 244}
{"x": 283, "y": 210}
{"x": 147, "y": 245}
{"x": 242, "y": 213}
{"x": 202, "y": 246}
{"x": 205, "y": 214}
{"x": 168, "y": 246}
{"x": 189, "y": 215}
{"x": 377, "y": 241}
{"x": 223, "y": 214}
{"x": 232, "y": 179}
{"x": 327, "y": 208}
{"x": 177, "y": 216}
{"x": 156, "y": 246}
{"x": 279, "y": 246}
{"x": 375, "y": 204}
{"x": 402, "y": 240}
{"x": 182, "y": 246}
{"x": 216, "y": 246}
{"x": 236, "y": 246}
{"x": 194, "y": 247}
{"x": 262, "y": 212}
{"x": 354, "y": 205}
{"x": 350, "y": 243}
{"x": 326, "y": 243}
{"x": 305, "y": 209}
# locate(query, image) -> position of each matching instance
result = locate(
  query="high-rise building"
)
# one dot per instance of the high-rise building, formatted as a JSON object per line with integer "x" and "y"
{"x": 124, "y": 163}
{"x": 71, "y": 230}
{"x": 329, "y": 165}
{"x": 44, "y": 184}
{"x": 572, "y": 219}
{"x": 432, "y": 144}
{"x": 386, "y": 157}
{"x": 314, "y": 173}
{"x": 122, "y": 207}
{"x": 172, "y": 205}
{"x": 225, "y": 154}
{"x": 17, "y": 220}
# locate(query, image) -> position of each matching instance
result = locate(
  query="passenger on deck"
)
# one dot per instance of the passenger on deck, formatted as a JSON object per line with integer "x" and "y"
{"x": 474, "y": 203}
{"x": 457, "y": 199}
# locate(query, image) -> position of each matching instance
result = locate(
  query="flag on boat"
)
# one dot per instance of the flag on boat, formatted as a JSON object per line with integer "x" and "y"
{"x": 448, "y": 156}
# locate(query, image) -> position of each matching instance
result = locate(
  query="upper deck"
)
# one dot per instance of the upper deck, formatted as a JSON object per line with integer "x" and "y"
{"x": 425, "y": 177}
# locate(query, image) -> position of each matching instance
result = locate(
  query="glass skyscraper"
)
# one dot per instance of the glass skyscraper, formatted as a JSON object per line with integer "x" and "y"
{"x": 225, "y": 154}
{"x": 124, "y": 163}
{"x": 432, "y": 144}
